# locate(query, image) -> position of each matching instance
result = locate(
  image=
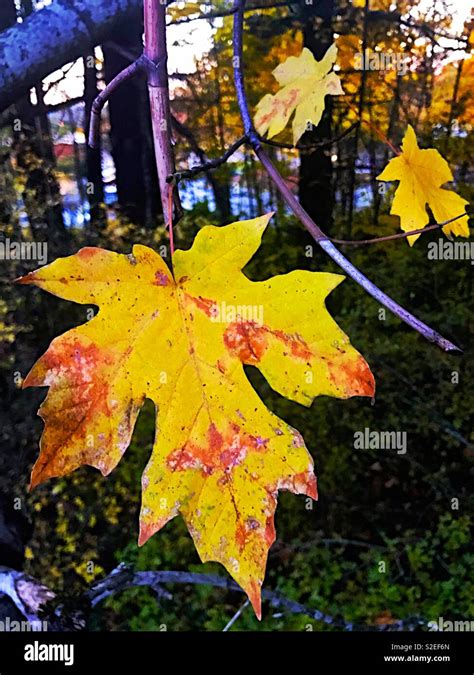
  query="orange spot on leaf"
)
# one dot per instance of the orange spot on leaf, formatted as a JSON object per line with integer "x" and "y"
{"x": 354, "y": 376}
{"x": 249, "y": 341}
{"x": 222, "y": 453}
{"x": 88, "y": 252}
{"x": 204, "y": 304}
{"x": 246, "y": 340}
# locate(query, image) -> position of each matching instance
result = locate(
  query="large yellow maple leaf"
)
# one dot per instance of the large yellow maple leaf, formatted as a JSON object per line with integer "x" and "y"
{"x": 305, "y": 84}
{"x": 421, "y": 174}
{"x": 220, "y": 456}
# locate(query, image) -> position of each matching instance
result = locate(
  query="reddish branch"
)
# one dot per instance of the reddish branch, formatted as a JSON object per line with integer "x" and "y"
{"x": 153, "y": 62}
{"x": 318, "y": 235}
{"x": 157, "y": 56}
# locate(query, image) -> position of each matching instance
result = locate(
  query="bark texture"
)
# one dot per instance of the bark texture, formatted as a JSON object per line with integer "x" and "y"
{"x": 51, "y": 37}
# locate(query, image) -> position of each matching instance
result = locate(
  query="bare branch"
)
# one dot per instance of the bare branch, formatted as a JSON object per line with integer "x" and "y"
{"x": 392, "y": 237}
{"x": 105, "y": 94}
{"x": 312, "y": 146}
{"x": 27, "y": 594}
{"x": 153, "y": 61}
{"x": 124, "y": 577}
{"x": 207, "y": 165}
{"x": 35, "y": 596}
{"x": 318, "y": 235}
{"x": 223, "y": 13}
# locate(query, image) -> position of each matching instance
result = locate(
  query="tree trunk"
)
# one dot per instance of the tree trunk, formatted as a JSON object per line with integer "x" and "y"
{"x": 130, "y": 132}
{"x": 315, "y": 188}
{"x": 61, "y": 32}
{"x": 35, "y": 157}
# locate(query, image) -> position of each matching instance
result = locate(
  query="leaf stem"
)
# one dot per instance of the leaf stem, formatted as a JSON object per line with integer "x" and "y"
{"x": 379, "y": 133}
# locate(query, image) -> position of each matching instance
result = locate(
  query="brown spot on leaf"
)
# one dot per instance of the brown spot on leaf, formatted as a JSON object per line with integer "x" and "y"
{"x": 161, "y": 279}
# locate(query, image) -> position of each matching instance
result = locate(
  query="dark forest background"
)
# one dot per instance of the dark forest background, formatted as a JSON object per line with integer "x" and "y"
{"x": 411, "y": 511}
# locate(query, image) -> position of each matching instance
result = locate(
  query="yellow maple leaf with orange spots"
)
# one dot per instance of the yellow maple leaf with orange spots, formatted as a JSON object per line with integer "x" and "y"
{"x": 182, "y": 339}
{"x": 305, "y": 84}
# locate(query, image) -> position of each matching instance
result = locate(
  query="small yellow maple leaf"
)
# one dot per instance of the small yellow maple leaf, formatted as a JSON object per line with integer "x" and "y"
{"x": 305, "y": 84}
{"x": 421, "y": 174}
{"x": 220, "y": 456}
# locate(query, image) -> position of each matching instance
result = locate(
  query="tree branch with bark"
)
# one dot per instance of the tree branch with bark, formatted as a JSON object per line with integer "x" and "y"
{"x": 37, "y": 603}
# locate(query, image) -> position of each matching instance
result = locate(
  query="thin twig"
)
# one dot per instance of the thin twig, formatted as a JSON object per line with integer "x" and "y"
{"x": 317, "y": 234}
{"x": 379, "y": 133}
{"x": 228, "y": 12}
{"x": 392, "y": 237}
{"x": 238, "y": 613}
{"x": 311, "y": 146}
{"x": 102, "y": 98}
{"x": 208, "y": 165}
{"x": 154, "y": 62}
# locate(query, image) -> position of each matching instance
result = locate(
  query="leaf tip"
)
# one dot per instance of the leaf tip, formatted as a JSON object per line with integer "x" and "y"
{"x": 146, "y": 531}
{"x": 29, "y": 278}
{"x": 29, "y": 380}
{"x": 265, "y": 219}
{"x": 254, "y": 594}
{"x": 36, "y": 478}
